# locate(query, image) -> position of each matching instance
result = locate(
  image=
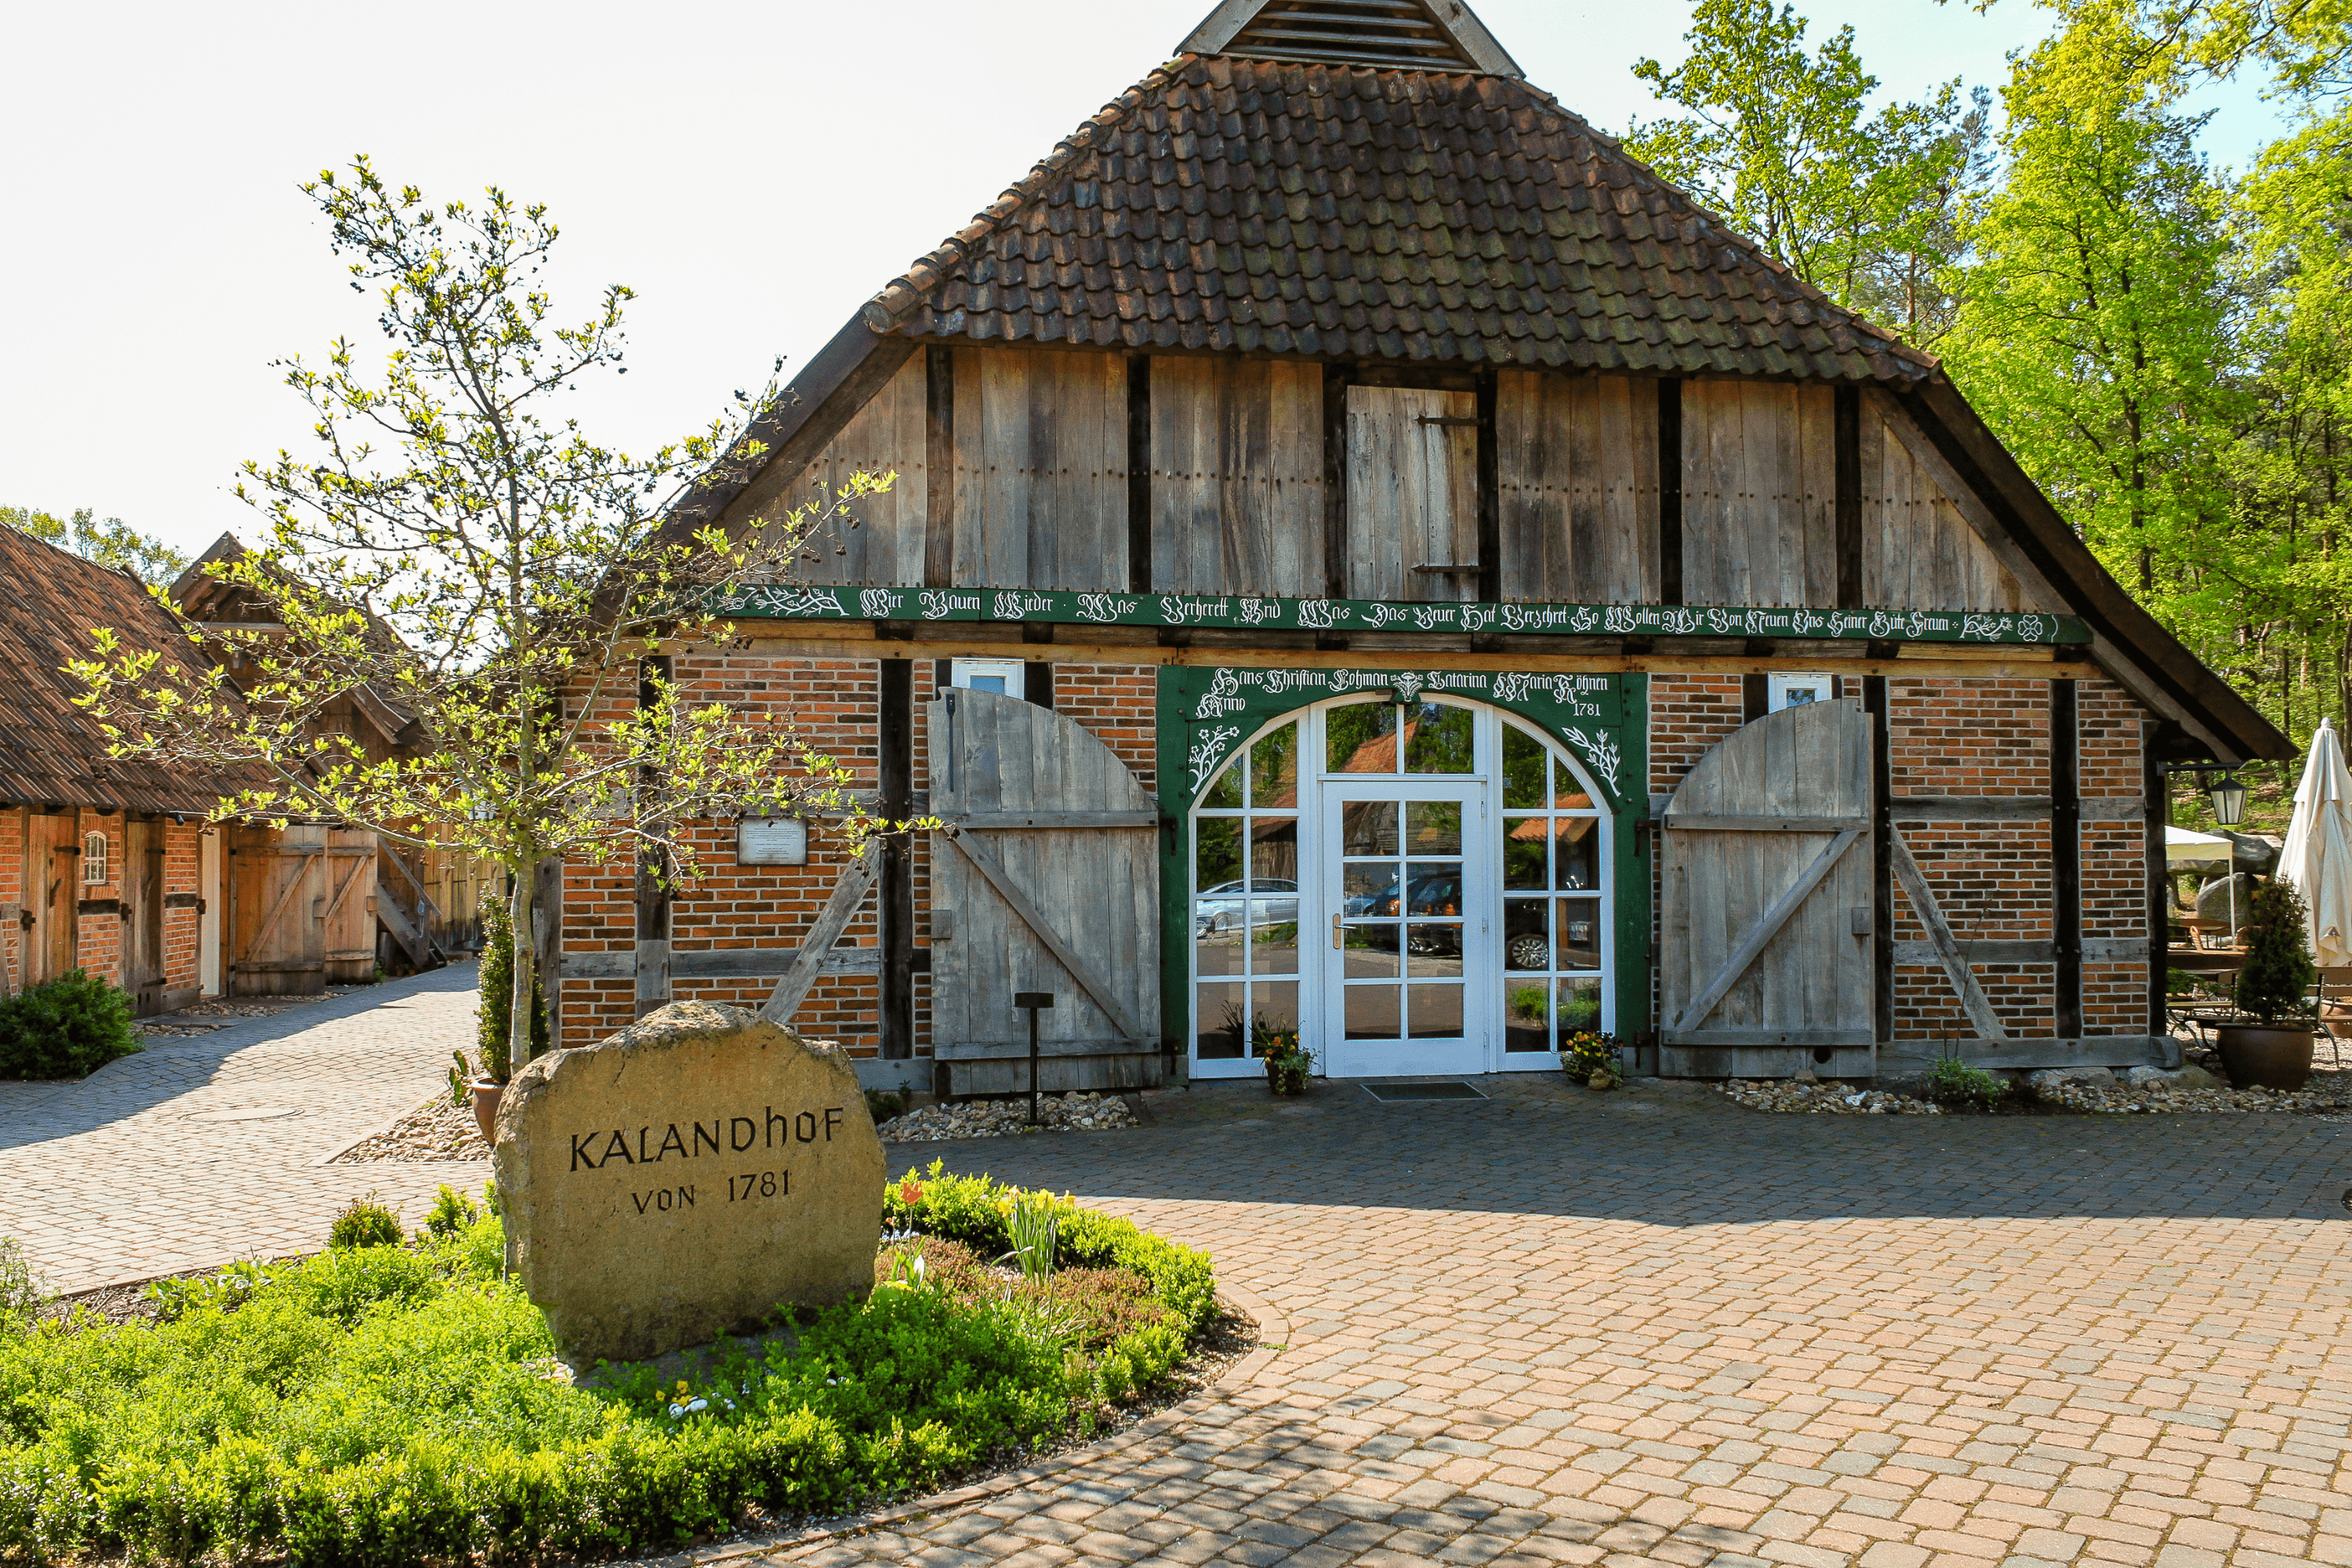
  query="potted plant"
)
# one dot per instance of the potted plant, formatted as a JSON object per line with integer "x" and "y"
{"x": 1589, "y": 1058}
{"x": 485, "y": 1088}
{"x": 1287, "y": 1063}
{"x": 2273, "y": 1051}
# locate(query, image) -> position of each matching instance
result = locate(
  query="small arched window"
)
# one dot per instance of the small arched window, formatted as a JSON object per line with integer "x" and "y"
{"x": 93, "y": 859}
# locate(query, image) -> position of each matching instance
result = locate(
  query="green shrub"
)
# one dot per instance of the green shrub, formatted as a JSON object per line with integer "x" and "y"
{"x": 364, "y": 1221}
{"x": 21, "y": 1288}
{"x": 1955, "y": 1084}
{"x": 2277, "y": 978}
{"x": 389, "y": 1405}
{"x": 882, "y": 1104}
{"x": 496, "y": 1010}
{"x": 66, "y": 1027}
{"x": 452, "y": 1213}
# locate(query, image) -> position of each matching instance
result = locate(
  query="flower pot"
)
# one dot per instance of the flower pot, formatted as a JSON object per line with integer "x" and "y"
{"x": 1286, "y": 1075}
{"x": 486, "y": 1091}
{"x": 2265, "y": 1056}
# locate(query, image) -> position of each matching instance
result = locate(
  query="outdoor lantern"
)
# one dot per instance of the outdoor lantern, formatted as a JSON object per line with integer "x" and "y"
{"x": 2229, "y": 797}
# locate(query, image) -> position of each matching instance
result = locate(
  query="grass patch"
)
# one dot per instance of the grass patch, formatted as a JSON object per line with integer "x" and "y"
{"x": 389, "y": 1404}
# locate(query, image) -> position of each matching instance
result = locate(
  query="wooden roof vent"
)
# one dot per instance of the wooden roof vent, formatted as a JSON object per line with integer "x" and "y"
{"x": 1384, "y": 35}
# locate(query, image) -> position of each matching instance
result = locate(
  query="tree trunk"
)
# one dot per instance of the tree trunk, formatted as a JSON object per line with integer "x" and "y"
{"x": 526, "y": 959}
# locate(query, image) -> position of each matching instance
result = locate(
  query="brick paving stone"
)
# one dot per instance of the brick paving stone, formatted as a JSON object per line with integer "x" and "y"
{"x": 110, "y": 1180}
{"x": 1650, "y": 1328}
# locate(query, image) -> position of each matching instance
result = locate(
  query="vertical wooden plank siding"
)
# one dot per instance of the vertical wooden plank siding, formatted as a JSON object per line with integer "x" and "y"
{"x": 1576, "y": 486}
{"x": 887, "y": 435}
{"x": 1413, "y": 499}
{"x": 2067, "y": 857}
{"x": 1337, "y": 384}
{"x": 1918, "y": 547}
{"x": 895, "y": 768}
{"x": 939, "y": 460}
{"x": 1140, "y": 564}
{"x": 1848, "y": 484}
{"x": 1237, "y": 477}
{"x": 1488, "y": 584}
{"x": 1759, "y": 493}
{"x": 1041, "y": 468}
{"x": 1670, "y": 492}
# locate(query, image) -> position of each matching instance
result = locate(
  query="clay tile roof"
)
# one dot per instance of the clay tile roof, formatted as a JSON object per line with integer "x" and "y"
{"x": 52, "y": 753}
{"x": 1251, "y": 206}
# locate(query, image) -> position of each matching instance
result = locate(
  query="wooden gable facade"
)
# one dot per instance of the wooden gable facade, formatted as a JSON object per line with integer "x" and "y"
{"x": 1445, "y": 524}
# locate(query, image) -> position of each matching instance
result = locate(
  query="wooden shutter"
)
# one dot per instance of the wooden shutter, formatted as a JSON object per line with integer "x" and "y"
{"x": 1045, "y": 878}
{"x": 1413, "y": 494}
{"x": 1766, "y": 949}
{"x": 143, "y": 908}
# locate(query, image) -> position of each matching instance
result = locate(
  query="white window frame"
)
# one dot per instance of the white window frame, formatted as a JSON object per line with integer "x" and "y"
{"x": 1014, "y": 671}
{"x": 94, "y": 856}
{"x": 1780, "y": 689}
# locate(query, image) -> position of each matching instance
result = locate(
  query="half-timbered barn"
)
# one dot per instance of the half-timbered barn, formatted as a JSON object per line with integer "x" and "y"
{"x": 1369, "y": 557}
{"x": 103, "y": 861}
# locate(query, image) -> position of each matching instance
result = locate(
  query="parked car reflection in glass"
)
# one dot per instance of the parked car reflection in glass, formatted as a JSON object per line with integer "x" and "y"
{"x": 1229, "y": 906}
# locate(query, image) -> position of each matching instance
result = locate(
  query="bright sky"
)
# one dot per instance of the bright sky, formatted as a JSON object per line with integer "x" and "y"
{"x": 755, "y": 172}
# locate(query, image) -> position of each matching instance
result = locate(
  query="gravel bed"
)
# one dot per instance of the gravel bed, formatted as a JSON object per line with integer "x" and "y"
{"x": 1791, "y": 1098}
{"x": 2092, "y": 1098}
{"x": 203, "y": 1017}
{"x": 434, "y": 1130}
{"x": 1009, "y": 1118}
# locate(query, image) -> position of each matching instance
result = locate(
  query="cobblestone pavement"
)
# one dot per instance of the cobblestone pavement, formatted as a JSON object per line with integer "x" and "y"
{"x": 201, "y": 1150}
{"x": 1653, "y": 1326}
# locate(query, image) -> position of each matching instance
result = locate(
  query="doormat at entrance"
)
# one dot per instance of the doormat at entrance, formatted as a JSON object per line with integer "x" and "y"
{"x": 1397, "y": 1091}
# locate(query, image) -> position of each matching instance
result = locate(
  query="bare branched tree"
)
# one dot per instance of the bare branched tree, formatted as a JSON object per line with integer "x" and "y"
{"x": 471, "y": 557}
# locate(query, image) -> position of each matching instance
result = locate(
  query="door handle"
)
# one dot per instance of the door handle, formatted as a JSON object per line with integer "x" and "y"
{"x": 1336, "y": 941}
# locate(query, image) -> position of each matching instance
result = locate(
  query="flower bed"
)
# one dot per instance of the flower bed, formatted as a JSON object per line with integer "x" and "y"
{"x": 392, "y": 1404}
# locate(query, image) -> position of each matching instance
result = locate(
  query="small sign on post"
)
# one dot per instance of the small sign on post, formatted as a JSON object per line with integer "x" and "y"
{"x": 1032, "y": 1001}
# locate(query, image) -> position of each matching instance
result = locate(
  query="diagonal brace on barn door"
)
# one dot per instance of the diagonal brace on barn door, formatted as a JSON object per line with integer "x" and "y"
{"x": 850, "y": 890}
{"x": 1760, "y": 934}
{"x": 285, "y": 898}
{"x": 1973, "y": 1000}
{"x": 1090, "y": 982}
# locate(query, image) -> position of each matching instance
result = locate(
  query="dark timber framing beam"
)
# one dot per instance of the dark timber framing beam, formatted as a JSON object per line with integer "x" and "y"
{"x": 653, "y": 874}
{"x": 1670, "y": 491}
{"x": 1847, "y": 422}
{"x": 2067, "y": 857}
{"x": 1490, "y": 496}
{"x": 894, "y": 764}
{"x": 938, "y": 466}
{"x": 1336, "y": 381}
{"x": 1874, "y": 702}
{"x": 2157, "y": 787}
{"x": 1138, "y": 473}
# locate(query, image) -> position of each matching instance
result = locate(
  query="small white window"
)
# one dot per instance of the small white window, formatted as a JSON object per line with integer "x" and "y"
{"x": 93, "y": 859}
{"x": 1004, "y": 675}
{"x": 1788, "y": 691}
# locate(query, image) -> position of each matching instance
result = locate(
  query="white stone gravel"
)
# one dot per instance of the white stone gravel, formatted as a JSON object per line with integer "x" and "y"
{"x": 1791, "y": 1097}
{"x": 1008, "y": 1118}
{"x": 2171, "y": 1098}
{"x": 436, "y": 1129}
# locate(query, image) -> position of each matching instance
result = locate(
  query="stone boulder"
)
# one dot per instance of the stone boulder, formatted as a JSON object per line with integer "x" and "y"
{"x": 2213, "y": 897}
{"x": 2045, "y": 1078}
{"x": 2191, "y": 1076}
{"x": 685, "y": 1179}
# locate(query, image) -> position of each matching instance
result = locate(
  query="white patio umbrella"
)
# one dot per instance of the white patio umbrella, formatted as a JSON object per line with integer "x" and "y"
{"x": 2183, "y": 847}
{"x": 2317, "y": 857}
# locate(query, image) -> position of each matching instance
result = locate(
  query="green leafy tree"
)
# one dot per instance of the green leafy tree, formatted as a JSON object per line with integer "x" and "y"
{"x": 1862, "y": 206}
{"x": 2095, "y": 329}
{"x": 458, "y": 543}
{"x": 111, "y": 543}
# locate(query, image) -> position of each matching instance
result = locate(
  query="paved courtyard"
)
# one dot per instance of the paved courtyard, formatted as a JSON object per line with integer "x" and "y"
{"x": 203, "y": 1150}
{"x": 1550, "y": 1326}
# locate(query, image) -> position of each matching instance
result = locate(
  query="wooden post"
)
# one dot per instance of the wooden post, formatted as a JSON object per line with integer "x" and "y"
{"x": 938, "y": 466}
{"x": 1138, "y": 473}
{"x": 1490, "y": 493}
{"x": 652, "y": 889}
{"x": 1670, "y": 491}
{"x": 1334, "y": 480}
{"x": 2065, "y": 860}
{"x": 1755, "y": 696}
{"x": 1874, "y": 702}
{"x": 894, "y": 762}
{"x": 1846, "y": 421}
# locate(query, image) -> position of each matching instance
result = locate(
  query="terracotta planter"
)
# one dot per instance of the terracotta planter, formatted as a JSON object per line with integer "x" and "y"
{"x": 2265, "y": 1056}
{"x": 1286, "y": 1075}
{"x": 486, "y": 1091}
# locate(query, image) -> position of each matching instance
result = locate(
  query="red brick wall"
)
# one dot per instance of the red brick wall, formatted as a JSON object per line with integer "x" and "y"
{"x": 2115, "y": 856}
{"x": 181, "y": 927}
{"x": 1688, "y": 715}
{"x": 12, "y": 893}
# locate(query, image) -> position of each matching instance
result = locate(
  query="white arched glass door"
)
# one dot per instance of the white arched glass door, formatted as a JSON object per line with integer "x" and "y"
{"x": 1414, "y": 888}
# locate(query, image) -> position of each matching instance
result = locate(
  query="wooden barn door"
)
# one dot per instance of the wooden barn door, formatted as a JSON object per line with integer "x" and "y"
{"x": 1764, "y": 957}
{"x": 1045, "y": 878}
{"x": 143, "y": 908}
{"x": 52, "y": 895}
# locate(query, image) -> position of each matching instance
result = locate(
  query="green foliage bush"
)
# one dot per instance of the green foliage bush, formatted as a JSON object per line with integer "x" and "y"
{"x": 385, "y": 1405}
{"x": 364, "y": 1221}
{"x": 66, "y": 1027}
{"x": 2278, "y": 974}
{"x": 1956, "y": 1086}
{"x": 496, "y": 1010}
{"x": 21, "y": 1288}
{"x": 452, "y": 1212}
